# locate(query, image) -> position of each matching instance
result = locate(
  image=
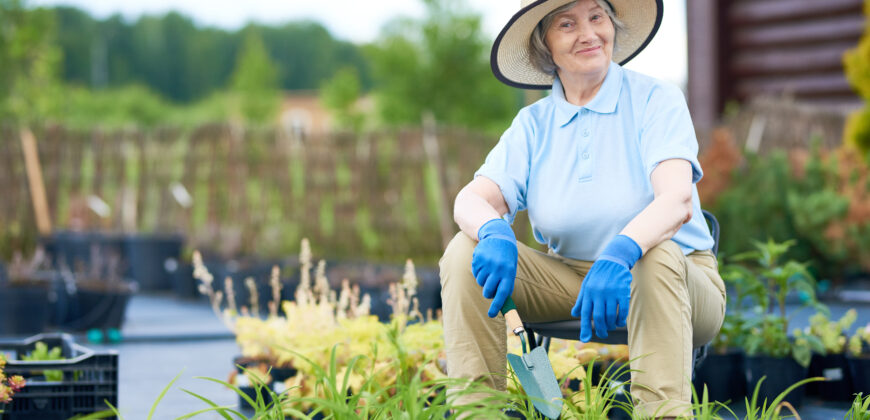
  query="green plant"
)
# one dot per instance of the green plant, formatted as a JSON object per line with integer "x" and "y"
{"x": 859, "y": 341}
{"x": 8, "y": 386}
{"x": 704, "y": 408}
{"x": 755, "y": 205}
{"x": 41, "y": 353}
{"x": 857, "y": 67}
{"x": 767, "y": 282}
{"x": 860, "y": 409}
{"x": 745, "y": 286}
{"x": 597, "y": 400}
{"x": 832, "y": 333}
{"x": 770, "y": 411}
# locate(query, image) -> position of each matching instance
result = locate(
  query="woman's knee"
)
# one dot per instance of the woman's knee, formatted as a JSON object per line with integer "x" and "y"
{"x": 456, "y": 261}
{"x": 664, "y": 262}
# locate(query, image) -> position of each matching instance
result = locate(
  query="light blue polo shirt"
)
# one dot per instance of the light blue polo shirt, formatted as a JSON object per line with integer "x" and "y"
{"x": 583, "y": 172}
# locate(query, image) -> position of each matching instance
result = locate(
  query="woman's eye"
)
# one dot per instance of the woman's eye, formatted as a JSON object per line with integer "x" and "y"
{"x": 565, "y": 24}
{"x": 596, "y": 18}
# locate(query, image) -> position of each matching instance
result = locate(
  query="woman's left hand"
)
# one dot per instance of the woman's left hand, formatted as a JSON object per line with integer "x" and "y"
{"x": 606, "y": 291}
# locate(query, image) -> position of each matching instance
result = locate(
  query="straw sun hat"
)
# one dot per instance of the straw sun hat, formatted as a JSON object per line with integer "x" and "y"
{"x": 510, "y": 52}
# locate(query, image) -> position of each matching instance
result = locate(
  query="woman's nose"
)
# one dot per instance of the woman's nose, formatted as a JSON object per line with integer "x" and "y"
{"x": 585, "y": 33}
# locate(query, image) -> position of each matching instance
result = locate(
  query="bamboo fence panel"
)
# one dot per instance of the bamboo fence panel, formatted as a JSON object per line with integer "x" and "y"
{"x": 253, "y": 191}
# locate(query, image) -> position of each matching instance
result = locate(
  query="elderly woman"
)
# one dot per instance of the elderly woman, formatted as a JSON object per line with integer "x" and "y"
{"x": 606, "y": 166}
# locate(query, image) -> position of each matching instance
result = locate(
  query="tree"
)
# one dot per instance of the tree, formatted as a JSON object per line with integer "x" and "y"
{"x": 340, "y": 95}
{"x": 28, "y": 74}
{"x": 254, "y": 82}
{"x": 857, "y": 64}
{"x": 439, "y": 64}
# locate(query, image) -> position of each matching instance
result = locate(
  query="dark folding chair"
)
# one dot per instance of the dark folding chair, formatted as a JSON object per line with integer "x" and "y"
{"x": 570, "y": 329}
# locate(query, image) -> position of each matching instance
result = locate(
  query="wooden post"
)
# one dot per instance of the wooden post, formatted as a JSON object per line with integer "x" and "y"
{"x": 34, "y": 178}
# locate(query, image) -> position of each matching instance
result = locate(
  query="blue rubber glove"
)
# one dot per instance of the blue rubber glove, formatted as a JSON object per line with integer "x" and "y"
{"x": 494, "y": 262}
{"x": 606, "y": 291}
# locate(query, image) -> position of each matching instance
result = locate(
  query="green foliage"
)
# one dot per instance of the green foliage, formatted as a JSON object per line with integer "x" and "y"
{"x": 439, "y": 64}
{"x": 340, "y": 95}
{"x": 857, "y": 129}
{"x": 819, "y": 203}
{"x": 594, "y": 401}
{"x": 832, "y": 333}
{"x": 746, "y": 288}
{"x": 860, "y": 409}
{"x": 771, "y": 411}
{"x": 756, "y": 206}
{"x": 765, "y": 280}
{"x": 28, "y": 79}
{"x": 254, "y": 82}
{"x": 186, "y": 63}
{"x": 859, "y": 342}
{"x": 856, "y": 62}
{"x": 41, "y": 353}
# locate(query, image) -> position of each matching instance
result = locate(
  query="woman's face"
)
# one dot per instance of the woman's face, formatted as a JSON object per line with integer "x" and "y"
{"x": 581, "y": 39}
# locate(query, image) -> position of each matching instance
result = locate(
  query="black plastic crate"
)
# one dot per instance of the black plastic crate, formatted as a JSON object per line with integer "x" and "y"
{"x": 89, "y": 380}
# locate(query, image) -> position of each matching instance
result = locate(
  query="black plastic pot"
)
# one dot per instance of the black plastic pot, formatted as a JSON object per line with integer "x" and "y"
{"x": 183, "y": 283}
{"x": 152, "y": 259}
{"x": 93, "y": 305}
{"x": 838, "y": 379}
{"x": 279, "y": 374}
{"x": 251, "y": 392}
{"x": 779, "y": 374}
{"x": 723, "y": 374}
{"x": 23, "y": 309}
{"x": 859, "y": 369}
{"x": 79, "y": 250}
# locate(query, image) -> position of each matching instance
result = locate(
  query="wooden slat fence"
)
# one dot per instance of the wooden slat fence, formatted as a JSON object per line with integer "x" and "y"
{"x": 253, "y": 192}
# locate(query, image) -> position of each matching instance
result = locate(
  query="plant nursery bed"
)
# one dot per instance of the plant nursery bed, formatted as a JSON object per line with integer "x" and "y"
{"x": 89, "y": 379}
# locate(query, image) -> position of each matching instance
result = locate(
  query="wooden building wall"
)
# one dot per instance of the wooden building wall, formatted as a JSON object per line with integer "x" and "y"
{"x": 740, "y": 49}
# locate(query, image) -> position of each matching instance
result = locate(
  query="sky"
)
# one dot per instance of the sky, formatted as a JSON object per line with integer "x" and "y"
{"x": 359, "y": 21}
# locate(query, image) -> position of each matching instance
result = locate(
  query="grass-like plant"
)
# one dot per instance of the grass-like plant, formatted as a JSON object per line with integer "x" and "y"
{"x": 771, "y": 410}
{"x": 860, "y": 408}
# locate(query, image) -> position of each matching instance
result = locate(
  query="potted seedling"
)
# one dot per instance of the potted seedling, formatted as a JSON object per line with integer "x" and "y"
{"x": 41, "y": 353}
{"x": 858, "y": 358}
{"x": 26, "y": 291}
{"x": 723, "y": 370}
{"x": 93, "y": 296}
{"x": 832, "y": 364}
{"x": 770, "y": 352}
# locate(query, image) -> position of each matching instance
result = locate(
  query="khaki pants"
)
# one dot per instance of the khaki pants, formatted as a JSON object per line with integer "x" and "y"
{"x": 677, "y": 303}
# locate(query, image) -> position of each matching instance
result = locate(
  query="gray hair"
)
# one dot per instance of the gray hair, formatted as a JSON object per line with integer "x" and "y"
{"x": 539, "y": 52}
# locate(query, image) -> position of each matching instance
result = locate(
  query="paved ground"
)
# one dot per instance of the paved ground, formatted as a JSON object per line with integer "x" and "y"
{"x": 165, "y": 336}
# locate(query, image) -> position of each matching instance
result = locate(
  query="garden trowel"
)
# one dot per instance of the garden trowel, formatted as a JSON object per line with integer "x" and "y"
{"x": 533, "y": 368}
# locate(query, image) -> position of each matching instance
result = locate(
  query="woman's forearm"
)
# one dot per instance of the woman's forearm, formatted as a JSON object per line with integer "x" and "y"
{"x": 671, "y": 208}
{"x": 471, "y": 211}
{"x": 659, "y": 221}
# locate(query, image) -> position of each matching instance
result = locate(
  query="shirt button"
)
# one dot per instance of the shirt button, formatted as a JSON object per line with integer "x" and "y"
{"x": 585, "y": 133}
{"x": 585, "y": 155}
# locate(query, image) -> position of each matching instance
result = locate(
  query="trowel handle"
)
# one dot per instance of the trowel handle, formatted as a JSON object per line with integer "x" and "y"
{"x": 509, "y": 309}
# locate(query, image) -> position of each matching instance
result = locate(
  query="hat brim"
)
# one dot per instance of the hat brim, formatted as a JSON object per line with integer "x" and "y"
{"x": 509, "y": 57}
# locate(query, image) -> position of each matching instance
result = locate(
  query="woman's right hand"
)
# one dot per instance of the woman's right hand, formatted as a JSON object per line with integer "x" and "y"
{"x": 494, "y": 262}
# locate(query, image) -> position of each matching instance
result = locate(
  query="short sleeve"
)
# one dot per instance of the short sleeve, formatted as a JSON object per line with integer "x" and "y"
{"x": 667, "y": 131}
{"x": 508, "y": 163}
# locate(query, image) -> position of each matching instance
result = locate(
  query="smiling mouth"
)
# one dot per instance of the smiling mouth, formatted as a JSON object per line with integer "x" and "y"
{"x": 589, "y": 50}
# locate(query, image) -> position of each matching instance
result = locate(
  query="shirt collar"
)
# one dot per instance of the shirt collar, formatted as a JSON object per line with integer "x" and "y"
{"x": 604, "y": 101}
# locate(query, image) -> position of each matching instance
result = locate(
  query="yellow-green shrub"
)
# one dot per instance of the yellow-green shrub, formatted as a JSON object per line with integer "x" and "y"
{"x": 857, "y": 64}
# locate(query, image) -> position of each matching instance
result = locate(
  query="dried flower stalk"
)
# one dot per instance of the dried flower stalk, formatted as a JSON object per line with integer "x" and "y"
{"x": 254, "y": 295}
